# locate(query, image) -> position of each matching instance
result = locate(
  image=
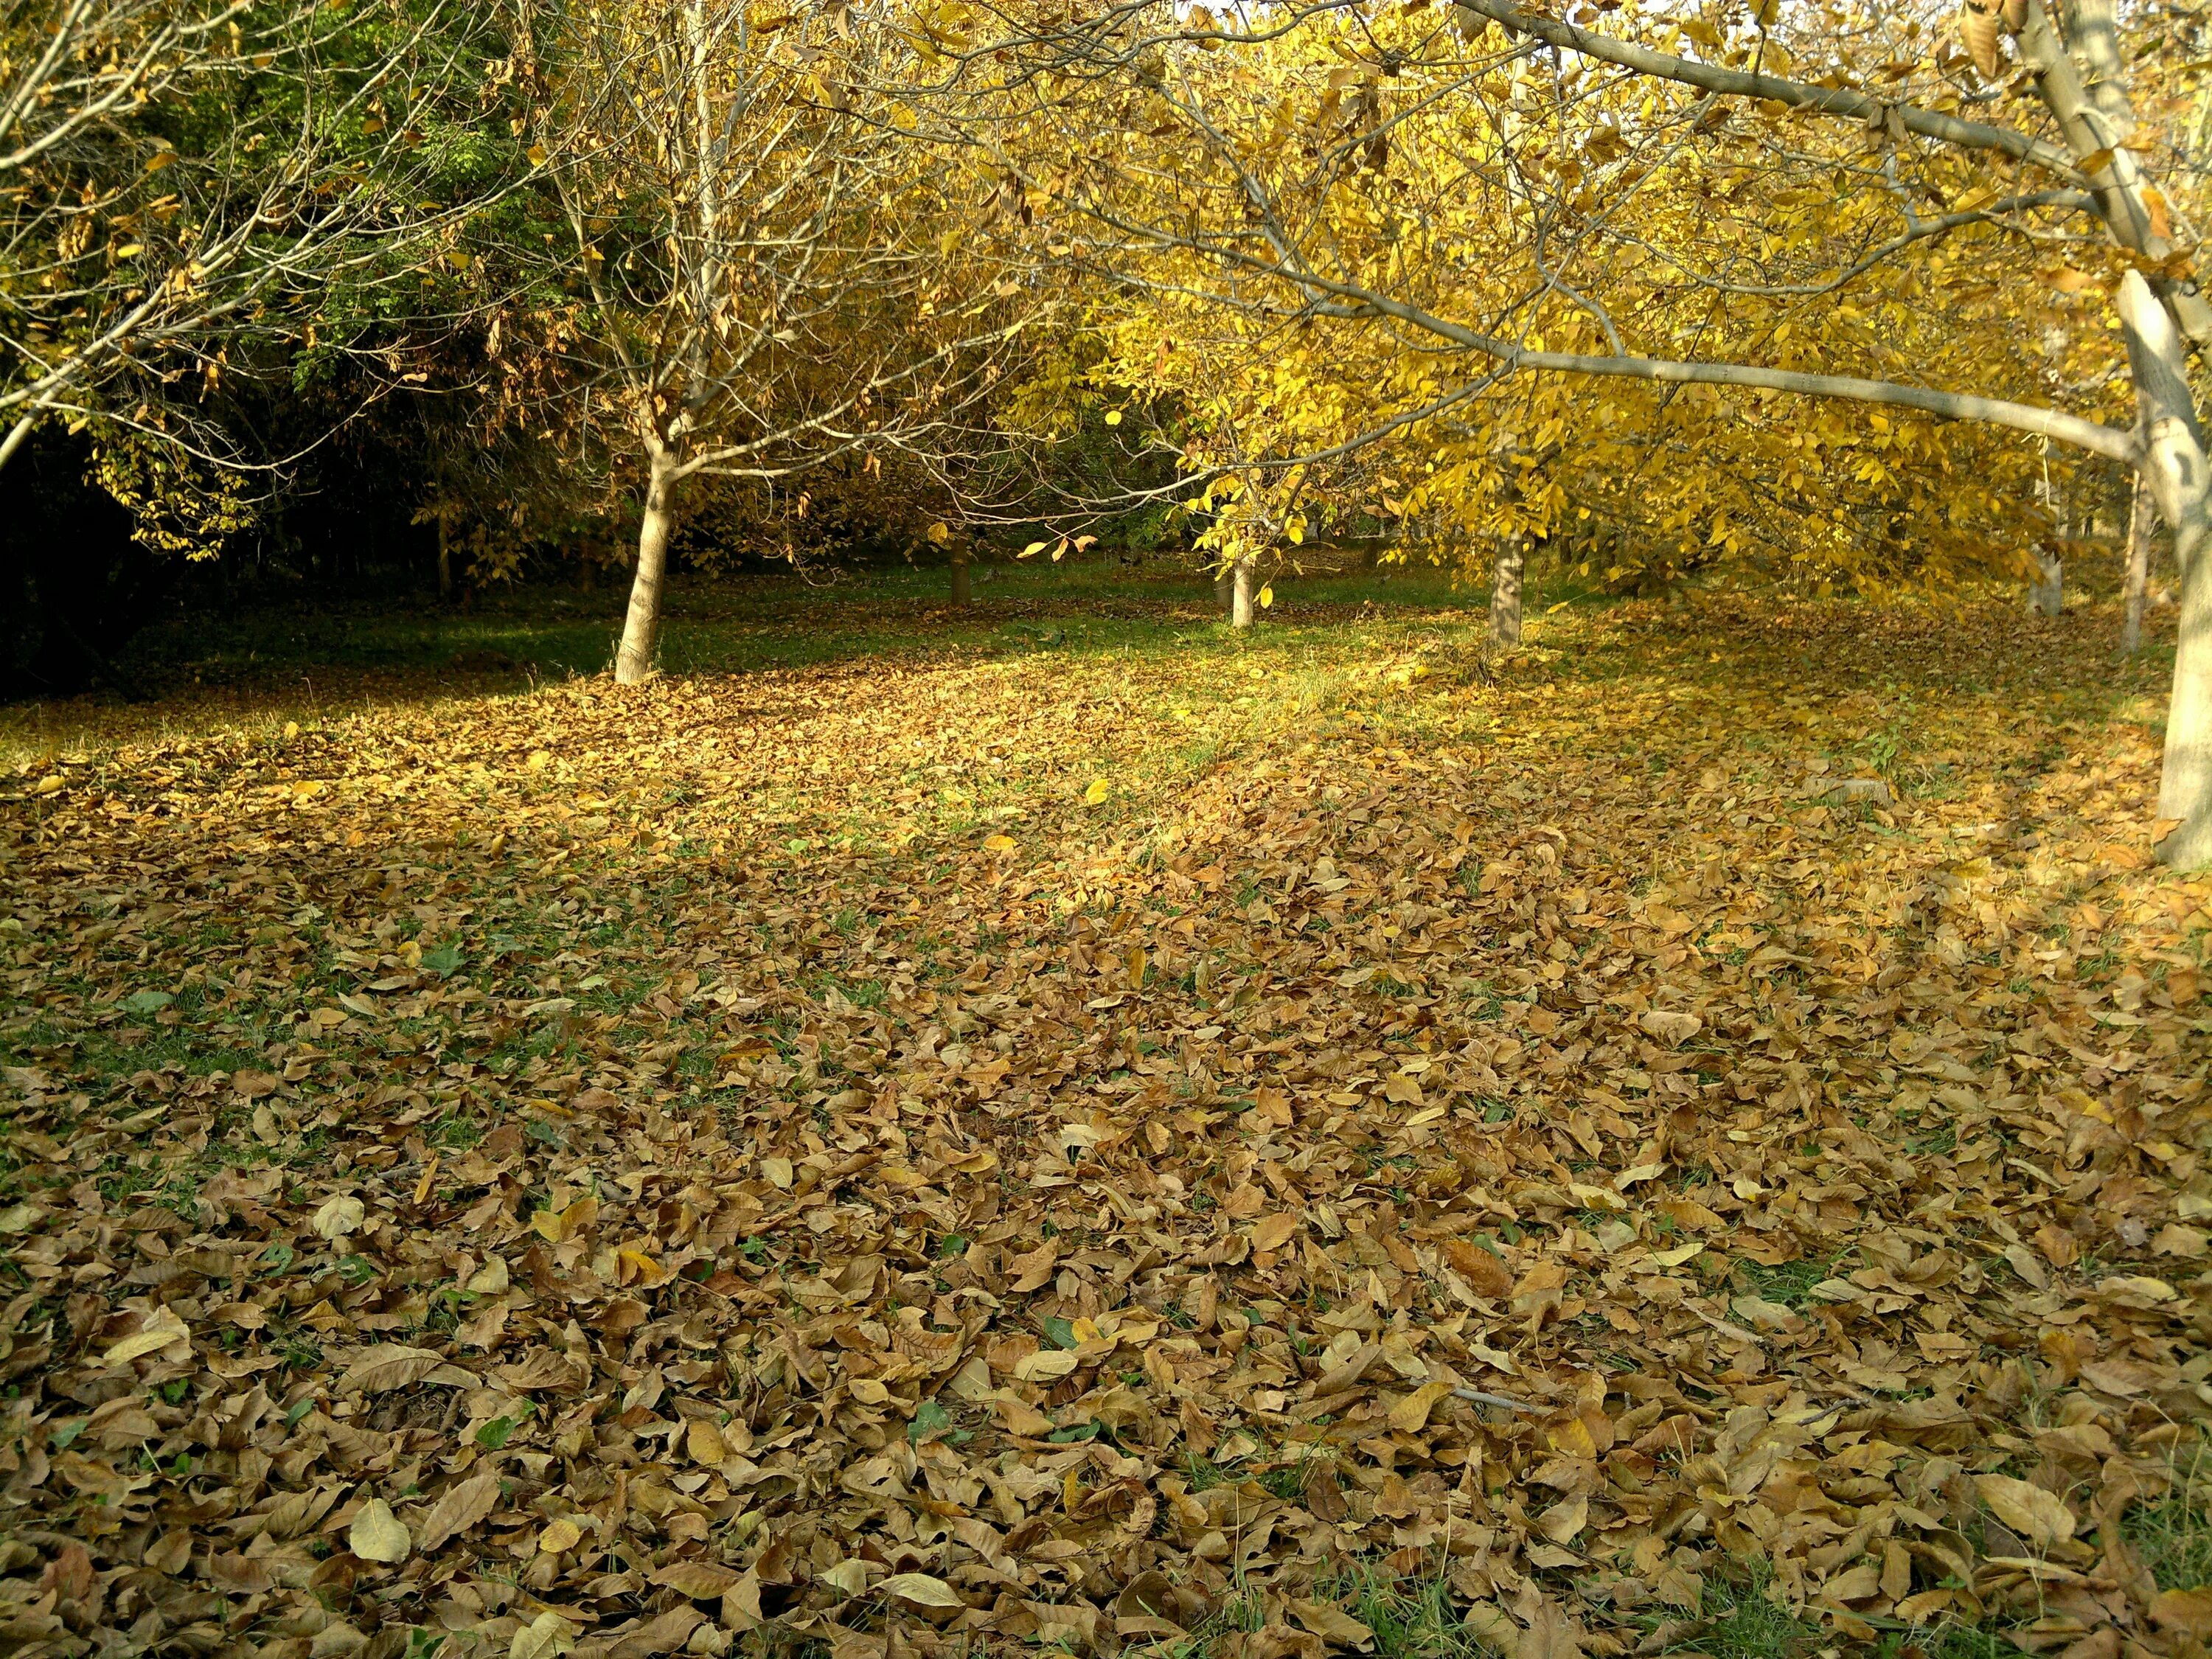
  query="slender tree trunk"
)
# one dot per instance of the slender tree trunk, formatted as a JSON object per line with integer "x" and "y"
{"x": 1505, "y": 591}
{"x": 445, "y": 560}
{"x": 961, "y": 592}
{"x": 1224, "y": 588}
{"x": 1241, "y": 609}
{"x": 2046, "y": 592}
{"x": 2139, "y": 510}
{"x": 2185, "y": 780}
{"x": 2174, "y": 471}
{"x": 2046, "y": 595}
{"x": 641, "y": 636}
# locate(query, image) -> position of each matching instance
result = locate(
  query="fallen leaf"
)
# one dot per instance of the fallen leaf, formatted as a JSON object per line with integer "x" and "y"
{"x": 388, "y": 1365}
{"x": 377, "y": 1534}
{"x": 2037, "y": 1516}
{"x": 1410, "y": 1414}
{"x": 921, "y": 1589}
{"x": 159, "y": 1329}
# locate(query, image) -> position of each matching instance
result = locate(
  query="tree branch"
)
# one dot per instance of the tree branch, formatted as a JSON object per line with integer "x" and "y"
{"x": 1739, "y": 83}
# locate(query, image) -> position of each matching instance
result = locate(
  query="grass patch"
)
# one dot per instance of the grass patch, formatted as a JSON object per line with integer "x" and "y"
{"x": 1412, "y": 1618}
{"x": 1740, "y": 1617}
{"x": 2173, "y": 1534}
{"x": 1789, "y": 1283}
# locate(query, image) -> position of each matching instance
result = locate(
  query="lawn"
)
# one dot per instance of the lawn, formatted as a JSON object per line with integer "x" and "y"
{"x": 926, "y": 1131}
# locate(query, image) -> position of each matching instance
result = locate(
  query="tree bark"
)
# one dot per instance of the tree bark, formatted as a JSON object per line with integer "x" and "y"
{"x": 1241, "y": 608}
{"x": 1505, "y": 591}
{"x": 961, "y": 592}
{"x": 1224, "y": 586}
{"x": 640, "y": 637}
{"x": 2174, "y": 469}
{"x": 2139, "y": 510}
{"x": 2046, "y": 595}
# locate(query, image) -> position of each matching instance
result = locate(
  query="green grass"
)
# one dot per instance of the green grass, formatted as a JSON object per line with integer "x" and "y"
{"x": 774, "y": 619}
{"x": 254, "y": 670}
{"x": 2173, "y": 1534}
{"x": 1412, "y": 1618}
{"x": 1739, "y": 1617}
{"x": 1789, "y": 1283}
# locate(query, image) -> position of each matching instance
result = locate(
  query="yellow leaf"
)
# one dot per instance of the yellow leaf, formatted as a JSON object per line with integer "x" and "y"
{"x": 703, "y": 1441}
{"x": 1977, "y": 33}
{"x": 1045, "y": 1366}
{"x": 1274, "y": 1231}
{"x": 999, "y": 844}
{"x": 1562, "y": 1522}
{"x": 546, "y": 1637}
{"x": 921, "y": 1589}
{"x": 1332, "y": 1624}
{"x": 558, "y": 1227}
{"x": 1410, "y": 1414}
{"x": 1267, "y": 596}
{"x": 561, "y": 1534}
{"x": 377, "y": 1534}
{"x": 1098, "y": 791}
{"x": 160, "y": 1330}
{"x": 1113, "y": 418}
{"x": 2040, "y": 1517}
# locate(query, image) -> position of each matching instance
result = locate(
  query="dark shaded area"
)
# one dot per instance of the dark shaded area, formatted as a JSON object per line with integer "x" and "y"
{"x": 74, "y": 587}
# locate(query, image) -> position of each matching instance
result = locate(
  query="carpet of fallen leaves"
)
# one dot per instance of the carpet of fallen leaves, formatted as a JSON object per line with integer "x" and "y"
{"x": 1037, "y": 1146}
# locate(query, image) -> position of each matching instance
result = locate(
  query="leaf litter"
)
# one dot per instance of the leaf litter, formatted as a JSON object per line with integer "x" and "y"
{"x": 787, "y": 1160}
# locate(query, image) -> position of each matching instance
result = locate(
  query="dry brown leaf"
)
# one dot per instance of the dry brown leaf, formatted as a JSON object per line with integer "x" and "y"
{"x": 460, "y": 1507}
{"x": 1410, "y": 1414}
{"x": 2041, "y": 1516}
{"x": 388, "y": 1365}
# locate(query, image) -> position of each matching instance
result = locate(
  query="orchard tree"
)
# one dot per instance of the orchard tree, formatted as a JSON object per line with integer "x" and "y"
{"x": 770, "y": 250}
{"x": 1604, "y": 255}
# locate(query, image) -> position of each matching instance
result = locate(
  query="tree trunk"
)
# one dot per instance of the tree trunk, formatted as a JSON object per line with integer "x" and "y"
{"x": 2174, "y": 469}
{"x": 2046, "y": 595}
{"x": 2139, "y": 532}
{"x": 1241, "y": 606}
{"x": 445, "y": 560}
{"x": 1225, "y": 588}
{"x": 641, "y": 636}
{"x": 1505, "y": 591}
{"x": 961, "y": 592}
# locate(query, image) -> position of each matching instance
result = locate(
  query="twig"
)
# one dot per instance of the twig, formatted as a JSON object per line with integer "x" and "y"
{"x": 1482, "y": 1398}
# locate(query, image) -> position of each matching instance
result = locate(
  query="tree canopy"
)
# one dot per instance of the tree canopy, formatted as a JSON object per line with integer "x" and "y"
{"x": 1834, "y": 298}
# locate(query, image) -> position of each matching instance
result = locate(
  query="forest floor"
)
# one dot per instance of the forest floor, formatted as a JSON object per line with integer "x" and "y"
{"x": 931, "y": 1132}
